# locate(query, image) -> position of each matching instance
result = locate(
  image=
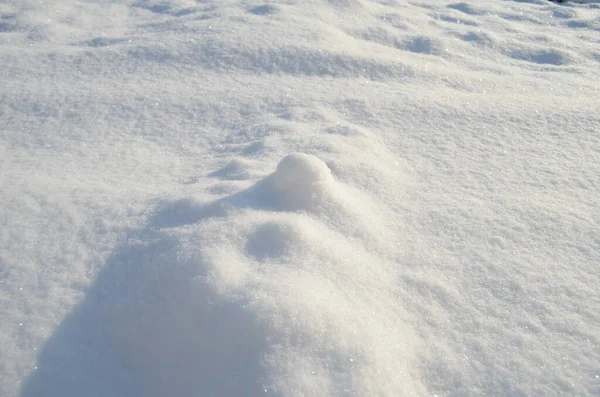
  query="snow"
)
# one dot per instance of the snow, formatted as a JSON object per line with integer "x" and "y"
{"x": 300, "y": 181}
{"x": 285, "y": 198}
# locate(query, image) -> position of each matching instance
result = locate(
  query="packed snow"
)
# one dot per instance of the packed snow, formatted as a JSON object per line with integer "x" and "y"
{"x": 299, "y": 198}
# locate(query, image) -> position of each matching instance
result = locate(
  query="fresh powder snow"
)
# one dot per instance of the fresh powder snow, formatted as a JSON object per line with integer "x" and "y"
{"x": 299, "y": 198}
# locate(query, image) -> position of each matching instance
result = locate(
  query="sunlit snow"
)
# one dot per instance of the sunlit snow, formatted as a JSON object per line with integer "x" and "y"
{"x": 299, "y": 198}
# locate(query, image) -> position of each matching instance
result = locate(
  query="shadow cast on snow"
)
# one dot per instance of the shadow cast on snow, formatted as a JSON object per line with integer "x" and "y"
{"x": 152, "y": 325}
{"x": 186, "y": 211}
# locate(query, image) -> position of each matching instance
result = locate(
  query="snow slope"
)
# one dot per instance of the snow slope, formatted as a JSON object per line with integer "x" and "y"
{"x": 291, "y": 198}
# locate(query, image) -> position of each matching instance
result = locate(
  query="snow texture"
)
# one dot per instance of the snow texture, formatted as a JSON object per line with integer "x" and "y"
{"x": 299, "y": 198}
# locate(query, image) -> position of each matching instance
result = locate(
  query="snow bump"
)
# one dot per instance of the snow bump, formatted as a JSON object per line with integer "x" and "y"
{"x": 300, "y": 181}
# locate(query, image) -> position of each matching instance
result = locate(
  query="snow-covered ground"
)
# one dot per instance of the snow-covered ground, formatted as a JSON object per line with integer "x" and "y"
{"x": 299, "y": 197}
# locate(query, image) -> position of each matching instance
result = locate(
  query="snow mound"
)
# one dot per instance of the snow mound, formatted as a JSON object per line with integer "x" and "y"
{"x": 276, "y": 290}
{"x": 300, "y": 181}
{"x": 310, "y": 298}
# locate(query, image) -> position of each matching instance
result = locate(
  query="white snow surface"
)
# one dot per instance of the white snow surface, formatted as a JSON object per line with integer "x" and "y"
{"x": 299, "y": 198}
